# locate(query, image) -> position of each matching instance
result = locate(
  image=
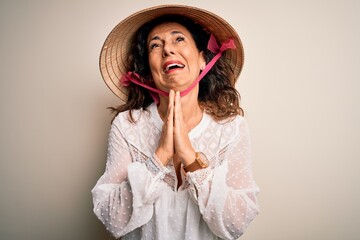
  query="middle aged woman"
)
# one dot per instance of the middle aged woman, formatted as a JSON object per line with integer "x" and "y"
{"x": 178, "y": 164}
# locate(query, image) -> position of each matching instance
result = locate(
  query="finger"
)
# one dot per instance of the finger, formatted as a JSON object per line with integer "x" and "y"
{"x": 169, "y": 108}
{"x": 170, "y": 112}
{"x": 178, "y": 110}
{"x": 171, "y": 96}
{"x": 165, "y": 148}
{"x": 177, "y": 100}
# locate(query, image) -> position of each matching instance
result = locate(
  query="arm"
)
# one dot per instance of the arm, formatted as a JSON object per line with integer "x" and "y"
{"x": 124, "y": 195}
{"x": 226, "y": 194}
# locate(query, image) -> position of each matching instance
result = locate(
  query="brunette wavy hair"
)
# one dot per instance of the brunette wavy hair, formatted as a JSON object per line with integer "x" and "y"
{"x": 216, "y": 94}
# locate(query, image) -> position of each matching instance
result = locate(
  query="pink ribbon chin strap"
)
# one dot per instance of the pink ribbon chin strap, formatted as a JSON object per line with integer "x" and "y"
{"x": 212, "y": 46}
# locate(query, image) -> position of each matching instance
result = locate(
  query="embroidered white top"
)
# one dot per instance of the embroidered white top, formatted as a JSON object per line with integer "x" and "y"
{"x": 137, "y": 197}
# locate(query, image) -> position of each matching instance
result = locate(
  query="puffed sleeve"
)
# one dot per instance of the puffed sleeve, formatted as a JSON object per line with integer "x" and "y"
{"x": 124, "y": 194}
{"x": 226, "y": 194}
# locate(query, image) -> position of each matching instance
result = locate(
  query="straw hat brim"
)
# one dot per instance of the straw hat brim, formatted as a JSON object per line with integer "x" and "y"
{"x": 113, "y": 53}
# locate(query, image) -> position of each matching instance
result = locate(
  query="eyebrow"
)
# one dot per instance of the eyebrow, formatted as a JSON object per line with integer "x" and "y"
{"x": 172, "y": 33}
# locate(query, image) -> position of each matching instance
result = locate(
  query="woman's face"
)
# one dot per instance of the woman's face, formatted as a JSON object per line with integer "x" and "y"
{"x": 174, "y": 59}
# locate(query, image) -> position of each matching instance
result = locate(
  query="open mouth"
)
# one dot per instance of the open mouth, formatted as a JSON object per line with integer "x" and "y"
{"x": 173, "y": 66}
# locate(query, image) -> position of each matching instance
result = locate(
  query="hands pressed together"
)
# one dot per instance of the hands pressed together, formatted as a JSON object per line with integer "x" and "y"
{"x": 174, "y": 141}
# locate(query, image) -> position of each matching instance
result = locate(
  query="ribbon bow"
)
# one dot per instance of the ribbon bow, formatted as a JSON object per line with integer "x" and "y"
{"x": 213, "y": 46}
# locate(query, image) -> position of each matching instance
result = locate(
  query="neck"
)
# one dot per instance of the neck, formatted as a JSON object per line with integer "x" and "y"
{"x": 190, "y": 107}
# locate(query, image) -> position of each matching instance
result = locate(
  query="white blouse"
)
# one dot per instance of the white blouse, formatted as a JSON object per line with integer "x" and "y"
{"x": 137, "y": 197}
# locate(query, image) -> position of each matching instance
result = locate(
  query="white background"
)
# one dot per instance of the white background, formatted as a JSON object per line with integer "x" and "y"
{"x": 299, "y": 87}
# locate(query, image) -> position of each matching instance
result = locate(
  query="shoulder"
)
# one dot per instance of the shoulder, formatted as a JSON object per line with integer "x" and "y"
{"x": 140, "y": 133}
{"x": 231, "y": 128}
{"x": 123, "y": 119}
{"x": 233, "y": 122}
{"x": 144, "y": 123}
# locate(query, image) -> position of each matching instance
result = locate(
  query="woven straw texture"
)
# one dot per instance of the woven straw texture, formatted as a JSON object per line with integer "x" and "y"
{"x": 113, "y": 53}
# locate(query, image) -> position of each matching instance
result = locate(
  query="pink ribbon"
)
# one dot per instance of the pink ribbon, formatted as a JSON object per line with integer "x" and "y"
{"x": 212, "y": 46}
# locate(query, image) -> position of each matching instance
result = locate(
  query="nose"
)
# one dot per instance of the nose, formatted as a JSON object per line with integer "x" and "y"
{"x": 167, "y": 50}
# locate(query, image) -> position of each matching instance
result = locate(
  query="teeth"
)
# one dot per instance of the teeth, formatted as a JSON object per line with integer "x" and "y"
{"x": 173, "y": 65}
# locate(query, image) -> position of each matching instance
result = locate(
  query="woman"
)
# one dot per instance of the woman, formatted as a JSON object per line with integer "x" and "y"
{"x": 178, "y": 164}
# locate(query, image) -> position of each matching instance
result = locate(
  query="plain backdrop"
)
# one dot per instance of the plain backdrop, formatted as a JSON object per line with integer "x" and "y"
{"x": 300, "y": 89}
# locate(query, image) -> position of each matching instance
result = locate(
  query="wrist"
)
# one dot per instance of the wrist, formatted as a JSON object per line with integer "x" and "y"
{"x": 196, "y": 164}
{"x": 188, "y": 157}
{"x": 162, "y": 157}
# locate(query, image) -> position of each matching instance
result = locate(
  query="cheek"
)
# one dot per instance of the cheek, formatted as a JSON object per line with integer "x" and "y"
{"x": 193, "y": 56}
{"x": 154, "y": 63}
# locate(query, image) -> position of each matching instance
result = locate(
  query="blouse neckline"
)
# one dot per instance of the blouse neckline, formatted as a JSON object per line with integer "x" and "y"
{"x": 196, "y": 131}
